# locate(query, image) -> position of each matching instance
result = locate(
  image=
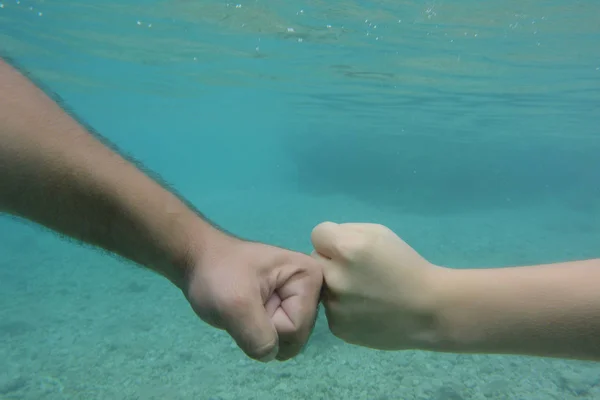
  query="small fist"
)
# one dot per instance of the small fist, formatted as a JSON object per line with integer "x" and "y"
{"x": 378, "y": 290}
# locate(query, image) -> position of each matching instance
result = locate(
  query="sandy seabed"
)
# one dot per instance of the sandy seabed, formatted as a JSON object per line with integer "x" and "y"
{"x": 77, "y": 324}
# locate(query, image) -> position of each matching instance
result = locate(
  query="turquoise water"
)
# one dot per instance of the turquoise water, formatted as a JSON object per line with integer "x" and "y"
{"x": 469, "y": 128}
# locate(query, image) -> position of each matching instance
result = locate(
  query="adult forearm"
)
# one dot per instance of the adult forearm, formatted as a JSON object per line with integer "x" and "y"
{"x": 54, "y": 172}
{"x": 548, "y": 310}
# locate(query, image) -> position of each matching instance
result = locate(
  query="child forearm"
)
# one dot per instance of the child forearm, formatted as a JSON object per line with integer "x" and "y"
{"x": 548, "y": 310}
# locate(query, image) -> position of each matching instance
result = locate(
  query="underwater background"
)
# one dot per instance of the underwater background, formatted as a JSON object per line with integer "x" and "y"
{"x": 470, "y": 128}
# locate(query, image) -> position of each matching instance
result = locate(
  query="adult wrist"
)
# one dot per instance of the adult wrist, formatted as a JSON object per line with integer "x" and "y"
{"x": 202, "y": 244}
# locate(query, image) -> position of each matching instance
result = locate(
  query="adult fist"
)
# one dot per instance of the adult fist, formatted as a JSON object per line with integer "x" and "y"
{"x": 265, "y": 297}
{"x": 378, "y": 291}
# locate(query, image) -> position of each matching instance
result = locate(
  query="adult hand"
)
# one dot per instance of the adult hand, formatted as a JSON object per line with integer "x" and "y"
{"x": 265, "y": 297}
{"x": 378, "y": 290}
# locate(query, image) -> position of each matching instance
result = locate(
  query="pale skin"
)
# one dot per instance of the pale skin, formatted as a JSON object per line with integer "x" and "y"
{"x": 380, "y": 293}
{"x": 54, "y": 172}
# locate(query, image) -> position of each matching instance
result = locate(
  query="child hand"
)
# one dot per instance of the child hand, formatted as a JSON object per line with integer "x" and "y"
{"x": 378, "y": 291}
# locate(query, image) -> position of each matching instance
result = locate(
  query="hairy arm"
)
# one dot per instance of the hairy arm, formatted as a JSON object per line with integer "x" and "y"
{"x": 56, "y": 173}
{"x": 546, "y": 310}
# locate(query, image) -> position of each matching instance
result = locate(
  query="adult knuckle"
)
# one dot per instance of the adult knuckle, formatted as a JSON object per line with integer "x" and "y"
{"x": 262, "y": 350}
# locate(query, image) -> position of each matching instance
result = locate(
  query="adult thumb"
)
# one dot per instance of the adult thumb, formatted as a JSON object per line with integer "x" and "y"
{"x": 248, "y": 323}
